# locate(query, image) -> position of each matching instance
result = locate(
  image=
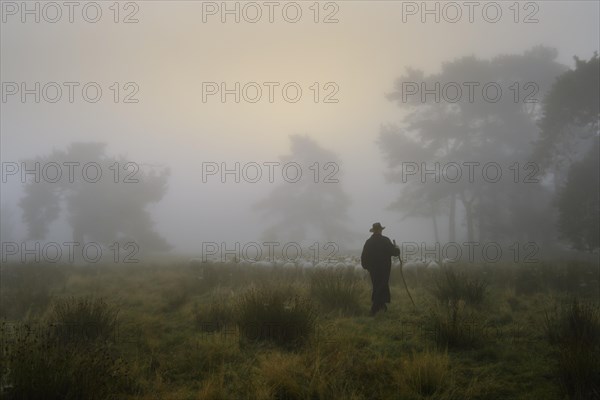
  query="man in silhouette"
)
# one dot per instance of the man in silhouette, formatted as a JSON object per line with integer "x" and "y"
{"x": 376, "y": 258}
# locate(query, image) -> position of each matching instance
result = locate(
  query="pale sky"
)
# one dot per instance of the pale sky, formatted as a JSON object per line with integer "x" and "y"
{"x": 170, "y": 52}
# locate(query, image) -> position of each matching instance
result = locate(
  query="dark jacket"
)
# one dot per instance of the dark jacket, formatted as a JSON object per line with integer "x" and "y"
{"x": 378, "y": 252}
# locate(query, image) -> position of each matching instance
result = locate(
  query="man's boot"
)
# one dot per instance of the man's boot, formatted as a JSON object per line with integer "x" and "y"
{"x": 375, "y": 309}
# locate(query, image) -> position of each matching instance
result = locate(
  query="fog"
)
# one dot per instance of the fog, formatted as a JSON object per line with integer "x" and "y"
{"x": 170, "y": 123}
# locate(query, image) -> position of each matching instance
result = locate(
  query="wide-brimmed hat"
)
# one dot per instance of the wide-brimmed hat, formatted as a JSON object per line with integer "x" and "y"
{"x": 377, "y": 227}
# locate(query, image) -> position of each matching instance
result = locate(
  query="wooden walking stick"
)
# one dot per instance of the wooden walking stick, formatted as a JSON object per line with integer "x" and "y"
{"x": 404, "y": 280}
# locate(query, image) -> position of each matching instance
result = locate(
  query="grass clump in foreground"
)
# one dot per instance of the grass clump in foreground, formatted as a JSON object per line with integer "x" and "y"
{"x": 68, "y": 356}
{"x": 427, "y": 373}
{"x": 452, "y": 327}
{"x": 450, "y": 286}
{"x": 26, "y": 290}
{"x": 164, "y": 354}
{"x": 337, "y": 289}
{"x": 275, "y": 314}
{"x": 215, "y": 316}
{"x": 575, "y": 331}
{"x": 83, "y": 319}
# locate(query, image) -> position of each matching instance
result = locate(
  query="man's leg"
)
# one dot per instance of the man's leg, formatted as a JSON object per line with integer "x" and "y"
{"x": 378, "y": 296}
{"x": 376, "y": 307}
{"x": 386, "y": 295}
{"x": 372, "y": 276}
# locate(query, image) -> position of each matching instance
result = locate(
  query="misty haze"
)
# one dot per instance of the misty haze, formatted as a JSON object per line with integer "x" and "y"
{"x": 300, "y": 200}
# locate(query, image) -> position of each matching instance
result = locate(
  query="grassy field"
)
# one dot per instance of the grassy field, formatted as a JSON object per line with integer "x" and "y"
{"x": 228, "y": 331}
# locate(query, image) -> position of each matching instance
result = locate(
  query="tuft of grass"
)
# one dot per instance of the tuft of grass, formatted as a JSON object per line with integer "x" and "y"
{"x": 214, "y": 388}
{"x": 575, "y": 331}
{"x": 25, "y": 289}
{"x": 575, "y": 325}
{"x": 275, "y": 315}
{"x": 474, "y": 290}
{"x": 426, "y": 373}
{"x": 450, "y": 286}
{"x": 83, "y": 319}
{"x": 451, "y": 328}
{"x": 337, "y": 289}
{"x": 579, "y": 373}
{"x": 216, "y": 316}
{"x": 285, "y": 376}
{"x": 69, "y": 356}
{"x": 377, "y": 369}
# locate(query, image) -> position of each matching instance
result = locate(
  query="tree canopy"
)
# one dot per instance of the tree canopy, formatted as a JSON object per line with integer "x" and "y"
{"x": 314, "y": 205}
{"x": 106, "y": 208}
{"x": 478, "y": 127}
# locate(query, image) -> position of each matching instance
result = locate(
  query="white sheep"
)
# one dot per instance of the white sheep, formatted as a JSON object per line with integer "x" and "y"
{"x": 415, "y": 264}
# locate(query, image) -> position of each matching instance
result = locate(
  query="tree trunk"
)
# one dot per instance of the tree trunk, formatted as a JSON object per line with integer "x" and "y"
{"x": 435, "y": 225}
{"x": 452, "y": 219}
{"x": 469, "y": 216}
{"x": 78, "y": 239}
{"x": 481, "y": 224}
{"x": 468, "y": 204}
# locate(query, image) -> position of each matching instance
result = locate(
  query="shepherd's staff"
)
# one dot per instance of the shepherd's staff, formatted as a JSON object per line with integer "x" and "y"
{"x": 404, "y": 280}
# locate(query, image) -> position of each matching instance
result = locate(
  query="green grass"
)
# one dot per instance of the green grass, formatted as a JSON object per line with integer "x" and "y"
{"x": 82, "y": 319}
{"x": 69, "y": 355}
{"x": 575, "y": 332}
{"x": 275, "y": 314}
{"x": 427, "y": 373}
{"x": 451, "y": 286}
{"x": 227, "y": 331}
{"x": 337, "y": 289}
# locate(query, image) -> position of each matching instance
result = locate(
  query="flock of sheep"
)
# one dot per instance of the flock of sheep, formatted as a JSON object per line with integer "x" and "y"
{"x": 304, "y": 263}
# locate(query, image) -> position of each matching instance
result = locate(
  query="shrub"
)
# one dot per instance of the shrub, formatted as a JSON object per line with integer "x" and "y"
{"x": 337, "y": 289}
{"x": 276, "y": 315}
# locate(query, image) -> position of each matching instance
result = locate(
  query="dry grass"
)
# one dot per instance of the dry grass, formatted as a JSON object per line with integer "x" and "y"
{"x": 168, "y": 353}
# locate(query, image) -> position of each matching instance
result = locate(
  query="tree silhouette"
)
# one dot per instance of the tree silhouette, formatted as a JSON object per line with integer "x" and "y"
{"x": 568, "y": 150}
{"x": 105, "y": 208}
{"x": 7, "y": 223}
{"x": 307, "y": 209}
{"x": 570, "y": 118}
{"x": 471, "y": 129}
{"x": 579, "y": 202}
